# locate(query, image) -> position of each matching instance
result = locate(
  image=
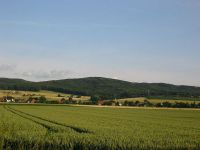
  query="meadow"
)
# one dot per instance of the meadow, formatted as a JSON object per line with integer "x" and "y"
{"x": 34, "y": 126}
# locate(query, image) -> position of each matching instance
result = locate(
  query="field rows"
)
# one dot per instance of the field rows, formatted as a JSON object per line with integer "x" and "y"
{"x": 70, "y": 127}
{"x": 29, "y": 116}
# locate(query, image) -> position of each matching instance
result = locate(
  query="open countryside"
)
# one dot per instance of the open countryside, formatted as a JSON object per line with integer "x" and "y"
{"x": 71, "y": 127}
{"x": 49, "y": 97}
{"x": 33, "y": 97}
{"x": 53, "y": 115}
{"x": 99, "y": 91}
{"x": 100, "y": 75}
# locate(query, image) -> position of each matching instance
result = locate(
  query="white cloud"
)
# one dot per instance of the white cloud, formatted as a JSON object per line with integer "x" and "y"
{"x": 46, "y": 75}
{"x": 34, "y": 72}
{"x": 116, "y": 78}
{"x": 7, "y": 67}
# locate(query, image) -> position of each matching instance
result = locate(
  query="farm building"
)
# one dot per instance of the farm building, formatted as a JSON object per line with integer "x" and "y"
{"x": 100, "y": 102}
{"x": 8, "y": 99}
{"x": 108, "y": 102}
{"x": 62, "y": 101}
{"x": 33, "y": 100}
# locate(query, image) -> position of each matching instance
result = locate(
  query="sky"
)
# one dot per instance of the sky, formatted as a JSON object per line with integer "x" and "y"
{"x": 132, "y": 40}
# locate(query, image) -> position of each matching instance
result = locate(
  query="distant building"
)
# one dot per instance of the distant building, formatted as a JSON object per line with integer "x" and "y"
{"x": 70, "y": 99}
{"x": 62, "y": 101}
{"x": 33, "y": 101}
{"x": 8, "y": 99}
{"x": 100, "y": 102}
{"x": 107, "y": 102}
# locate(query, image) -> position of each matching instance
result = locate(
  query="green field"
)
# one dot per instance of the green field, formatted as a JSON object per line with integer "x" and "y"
{"x": 71, "y": 127}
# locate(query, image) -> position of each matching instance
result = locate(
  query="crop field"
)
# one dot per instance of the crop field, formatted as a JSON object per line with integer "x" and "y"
{"x": 70, "y": 127}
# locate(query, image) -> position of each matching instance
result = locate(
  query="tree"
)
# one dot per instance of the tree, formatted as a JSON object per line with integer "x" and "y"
{"x": 95, "y": 98}
{"x": 42, "y": 99}
{"x": 167, "y": 104}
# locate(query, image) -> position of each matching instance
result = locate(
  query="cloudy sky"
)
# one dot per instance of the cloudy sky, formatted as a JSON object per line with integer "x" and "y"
{"x": 133, "y": 40}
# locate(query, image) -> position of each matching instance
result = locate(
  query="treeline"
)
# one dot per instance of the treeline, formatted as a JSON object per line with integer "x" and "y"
{"x": 20, "y": 87}
{"x": 18, "y": 84}
{"x": 147, "y": 103}
{"x": 62, "y": 90}
{"x": 104, "y": 88}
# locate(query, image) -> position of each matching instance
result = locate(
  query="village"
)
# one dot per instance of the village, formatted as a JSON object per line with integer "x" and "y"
{"x": 48, "y": 97}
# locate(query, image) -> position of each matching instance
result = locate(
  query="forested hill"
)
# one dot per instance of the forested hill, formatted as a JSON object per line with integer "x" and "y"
{"x": 104, "y": 87}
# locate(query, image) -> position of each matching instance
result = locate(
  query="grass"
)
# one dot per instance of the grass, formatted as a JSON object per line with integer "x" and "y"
{"x": 71, "y": 127}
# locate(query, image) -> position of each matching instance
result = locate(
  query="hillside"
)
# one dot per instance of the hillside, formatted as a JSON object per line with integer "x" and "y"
{"x": 104, "y": 87}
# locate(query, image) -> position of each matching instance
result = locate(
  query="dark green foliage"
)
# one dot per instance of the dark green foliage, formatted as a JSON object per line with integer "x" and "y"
{"x": 95, "y": 98}
{"x": 131, "y": 103}
{"x": 42, "y": 99}
{"x": 166, "y": 104}
{"x": 163, "y": 104}
{"x": 52, "y": 102}
{"x": 105, "y": 88}
{"x": 182, "y": 105}
{"x": 109, "y": 103}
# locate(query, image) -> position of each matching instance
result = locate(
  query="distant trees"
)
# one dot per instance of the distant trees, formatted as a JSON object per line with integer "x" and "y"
{"x": 42, "y": 99}
{"x": 20, "y": 87}
{"x": 105, "y": 89}
{"x": 125, "y": 95}
{"x": 95, "y": 98}
{"x": 166, "y": 104}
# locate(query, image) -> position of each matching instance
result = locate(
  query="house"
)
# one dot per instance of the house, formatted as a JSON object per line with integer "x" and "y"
{"x": 33, "y": 101}
{"x": 62, "y": 101}
{"x": 117, "y": 103}
{"x": 70, "y": 99}
{"x": 8, "y": 99}
{"x": 100, "y": 102}
{"x": 107, "y": 102}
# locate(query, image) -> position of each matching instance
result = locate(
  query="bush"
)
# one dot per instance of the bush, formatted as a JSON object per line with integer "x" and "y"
{"x": 95, "y": 98}
{"x": 52, "y": 102}
{"x": 42, "y": 99}
{"x": 166, "y": 104}
{"x": 158, "y": 105}
{"x": 109, "y": 103}
{"x": 147, "y": 103}
{"x": 182, "y": 105}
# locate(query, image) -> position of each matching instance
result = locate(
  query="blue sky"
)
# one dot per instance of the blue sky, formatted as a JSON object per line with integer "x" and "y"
{"x": 139, "y": 41}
